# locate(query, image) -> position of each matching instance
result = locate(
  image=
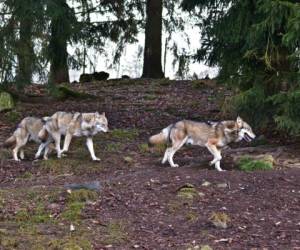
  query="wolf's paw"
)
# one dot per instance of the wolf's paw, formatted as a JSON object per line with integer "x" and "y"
{"x": 35, "y": 161}
{"x": 211, "y": 163}
{"x": 175, "y": 166}
{"x": 63, "y": 153}
{"x": 96, "y": 159}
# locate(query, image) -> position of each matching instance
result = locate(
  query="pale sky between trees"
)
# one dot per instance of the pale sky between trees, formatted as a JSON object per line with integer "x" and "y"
{"x": 131, "y": 63}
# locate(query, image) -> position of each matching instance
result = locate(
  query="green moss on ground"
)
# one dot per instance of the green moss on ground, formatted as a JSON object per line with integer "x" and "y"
{"x": 248, "y": 164}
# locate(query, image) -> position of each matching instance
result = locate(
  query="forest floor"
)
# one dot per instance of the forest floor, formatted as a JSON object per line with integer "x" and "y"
{"x": 140, "y": 203}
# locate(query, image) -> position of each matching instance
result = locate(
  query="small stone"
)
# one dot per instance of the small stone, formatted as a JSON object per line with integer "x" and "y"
{"x": 3, "y": 231}
{"x": 72, "y": 228}
{"x": 206, "y": 184}
{"x": 128, "y": 159}
{"x": 220, "y": 224}
{"x": 53, "y": 206}
{"x": 201, "y": 194}
{"x": 222, "y": 185}
{"x": 92, "y": 185}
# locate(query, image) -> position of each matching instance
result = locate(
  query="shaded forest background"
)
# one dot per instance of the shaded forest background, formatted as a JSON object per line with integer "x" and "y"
{"x": 254, "y": 43}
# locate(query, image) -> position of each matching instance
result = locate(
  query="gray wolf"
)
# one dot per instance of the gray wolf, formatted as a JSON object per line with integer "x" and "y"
{"x": 28, "y": 130}
{"x": 213, "y": 135}
{"x": 74, "y": 124}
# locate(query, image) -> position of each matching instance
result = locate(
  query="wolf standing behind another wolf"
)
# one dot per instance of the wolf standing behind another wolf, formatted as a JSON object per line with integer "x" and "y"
{"x": 74, "y": 124}
{"x": 214, "y": 136}
{"x": 28, "y": 130}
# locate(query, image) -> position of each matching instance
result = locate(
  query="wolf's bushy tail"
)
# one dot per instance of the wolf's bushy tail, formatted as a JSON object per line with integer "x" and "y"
{"x": 9, "y": 142}
{"x": 162, "y": 137}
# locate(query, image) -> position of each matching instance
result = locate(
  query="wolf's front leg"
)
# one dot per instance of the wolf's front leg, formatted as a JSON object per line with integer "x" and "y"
{"x": 166, "y": 155}
{"x": 57, "y": 137}
{"x": 217, "y": 156}
{"x": 218, "y": 167}
{"x": 15, "y": 154}
{"x": 175, "y": 147}
{"x": 44, "y": 146}
{"x": 22, "y": 154}
{"x": 47, "y": 151}
{"x": 90, "y": 145}
{"x": 41, "y": 148}
{"x": 67, "y": 142}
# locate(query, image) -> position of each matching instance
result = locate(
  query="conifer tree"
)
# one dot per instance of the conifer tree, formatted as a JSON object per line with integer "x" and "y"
{"x": 256, "y": 45}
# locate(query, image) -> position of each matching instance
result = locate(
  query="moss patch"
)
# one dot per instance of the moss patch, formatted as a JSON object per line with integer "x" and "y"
{"x": 63, "y": 93}
{"x": 13, "y": 116}
{"x": 6, "y": 101}
{"x": 247, "y": 164}
{"x": 124, "y": 134}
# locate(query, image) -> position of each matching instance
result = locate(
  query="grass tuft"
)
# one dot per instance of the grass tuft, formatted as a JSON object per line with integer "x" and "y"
{"x": 82, "y": 195}
{"x": 73, "y": 211}
{"x": 116, "y": 232}
{"x": 220, "y": 219}
{"x": 34, "y": 216}
{"x": 144, "y": 148}
{"x": 74, "y": 243}
{"x": 188, "y": 191}
{"x": 13, "y": 116}
{"x": 113, "y": 147}
{"x": 198, "y": 84}
{"x": 5, "y": 154}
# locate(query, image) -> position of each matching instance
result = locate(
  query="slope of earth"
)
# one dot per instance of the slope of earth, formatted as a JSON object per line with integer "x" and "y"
{"x": 140, "y": 204}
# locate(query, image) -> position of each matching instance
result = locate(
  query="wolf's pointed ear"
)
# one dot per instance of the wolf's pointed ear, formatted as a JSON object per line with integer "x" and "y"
{"x": 97, "y": 113}
{"x": 239, "y": 121}
{"x": 103, "y": 113}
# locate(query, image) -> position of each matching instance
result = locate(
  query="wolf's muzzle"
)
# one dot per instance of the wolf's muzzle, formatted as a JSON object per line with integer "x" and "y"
{"x": 248, "y": 138}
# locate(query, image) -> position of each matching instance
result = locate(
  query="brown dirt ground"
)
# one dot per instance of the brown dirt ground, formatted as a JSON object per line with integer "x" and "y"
{"x": 142, "y": 204}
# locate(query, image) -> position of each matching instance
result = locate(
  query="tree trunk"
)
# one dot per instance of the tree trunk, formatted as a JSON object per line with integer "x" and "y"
{"x": 25, "y": 53}
{"x": 153, "y": 36}
{"x": 59, "y": 71}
